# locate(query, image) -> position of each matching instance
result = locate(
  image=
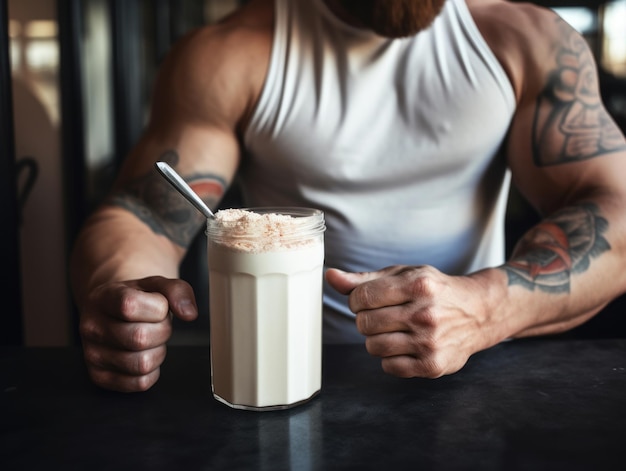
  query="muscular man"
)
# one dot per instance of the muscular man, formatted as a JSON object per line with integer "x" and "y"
{"x": 404, "y": 121}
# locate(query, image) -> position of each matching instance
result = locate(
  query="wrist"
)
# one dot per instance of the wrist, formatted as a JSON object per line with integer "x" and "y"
{"x": 497, "y": 319}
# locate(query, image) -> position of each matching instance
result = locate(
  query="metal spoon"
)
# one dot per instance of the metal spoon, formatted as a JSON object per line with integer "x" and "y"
{"x": 181, "y": 186}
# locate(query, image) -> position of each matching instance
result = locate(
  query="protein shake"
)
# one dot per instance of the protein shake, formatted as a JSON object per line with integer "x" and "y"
{"x": 265, "y": 289}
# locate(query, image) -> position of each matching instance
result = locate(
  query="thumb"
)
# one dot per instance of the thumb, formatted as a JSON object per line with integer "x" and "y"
{"x": 179, "y": 295}
{"x": 344, "y": 282}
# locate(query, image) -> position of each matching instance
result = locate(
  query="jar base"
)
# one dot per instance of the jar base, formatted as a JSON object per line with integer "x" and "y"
{"x": 266, "y": 408}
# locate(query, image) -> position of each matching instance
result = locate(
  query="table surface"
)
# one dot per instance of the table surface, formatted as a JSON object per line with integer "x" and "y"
{"x": 531, "y": 404}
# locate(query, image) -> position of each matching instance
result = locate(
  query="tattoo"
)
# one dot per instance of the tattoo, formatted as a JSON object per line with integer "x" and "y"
{"x": 571, "y": 123}
{"x": 162, "y": 208}
{"x": 562, "y": 245}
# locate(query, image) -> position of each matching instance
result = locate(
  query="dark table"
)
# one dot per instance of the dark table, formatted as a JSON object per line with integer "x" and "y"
{"x": 532, "y": 404}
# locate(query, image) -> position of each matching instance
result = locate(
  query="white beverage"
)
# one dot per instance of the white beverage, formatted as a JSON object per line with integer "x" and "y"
{"x": 265, "y": 288}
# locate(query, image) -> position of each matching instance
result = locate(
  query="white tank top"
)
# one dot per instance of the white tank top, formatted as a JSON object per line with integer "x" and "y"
{"x": 397, "y": 141}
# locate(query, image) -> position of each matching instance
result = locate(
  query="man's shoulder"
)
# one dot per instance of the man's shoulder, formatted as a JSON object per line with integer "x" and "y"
{"x": 523, "y": 36}
{"x": 512, "y": 14}
{"x": 220, "y": 68}
{"x": 247, "y": 28}
{"x": 515, "y": 22}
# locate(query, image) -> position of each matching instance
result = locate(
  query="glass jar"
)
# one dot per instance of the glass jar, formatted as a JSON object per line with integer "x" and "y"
{"x": 265, "y": 291}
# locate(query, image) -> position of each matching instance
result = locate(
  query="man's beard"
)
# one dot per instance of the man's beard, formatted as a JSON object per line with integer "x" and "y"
{"x": 394, "y": 18}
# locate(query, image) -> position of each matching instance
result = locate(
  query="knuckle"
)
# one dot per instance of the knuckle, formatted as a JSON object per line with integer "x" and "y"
{"x": 370, "y": 346}
{"x": 367, "y": 295}
{"x": 423, "y": 320}
{"x": 145, "y": 382}
{"x": 139, "y": 338}
{"x": 118, "y": 382}
{"x": 393, "y": 369}
{"x": 115, "y": 382}
{"x": 362, "y": 322}
{"x": 432, "y": 363}
{"x": 423, "y": 286}
{"x": 378, "y": 348}
{"x": 144, "y": 363}
{"x": 363, "y": 297}
{"x": 100, "y": 378}
{"x": 434, "y": 368}
{"x": 92, "y": 355}
{"x": 387, "y": 368}
{"x": 128, "y": 302}
{"x": 426, "y": 346}
{"x": 89, "y": 329}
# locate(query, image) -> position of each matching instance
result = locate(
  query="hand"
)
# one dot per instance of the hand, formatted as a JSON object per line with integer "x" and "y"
{"x": 421, "y": 322}
{"x": 124, "y": 328}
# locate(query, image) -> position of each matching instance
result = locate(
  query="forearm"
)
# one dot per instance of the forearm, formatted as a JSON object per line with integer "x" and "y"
{"x": 564, "y": 270}
{"x": 115, "y": 245}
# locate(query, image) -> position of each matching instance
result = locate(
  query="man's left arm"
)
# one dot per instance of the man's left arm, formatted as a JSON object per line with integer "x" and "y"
{"x": 568, "y": 158}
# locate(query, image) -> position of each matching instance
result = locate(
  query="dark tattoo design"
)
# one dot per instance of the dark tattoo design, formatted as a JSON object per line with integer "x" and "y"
{"x": 562, "y": 245}
{"x": 162, "y": 208}
{"x": 570, "y": 122}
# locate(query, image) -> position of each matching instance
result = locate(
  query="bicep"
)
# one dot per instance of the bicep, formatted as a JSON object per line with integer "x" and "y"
{"x": 193, "y": 120}
{"x": 563, "y": 144}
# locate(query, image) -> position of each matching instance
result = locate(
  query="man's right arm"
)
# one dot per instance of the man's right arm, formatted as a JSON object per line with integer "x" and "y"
{"x": 124, "y": 275}
{"x": 124, "y": 265}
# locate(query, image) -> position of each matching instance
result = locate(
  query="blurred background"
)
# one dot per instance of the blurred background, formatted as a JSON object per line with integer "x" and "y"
{"x": 76, "y": 78}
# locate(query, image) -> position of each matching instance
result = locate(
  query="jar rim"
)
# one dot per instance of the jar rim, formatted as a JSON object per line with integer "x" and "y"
{"x": 306, "y": 222}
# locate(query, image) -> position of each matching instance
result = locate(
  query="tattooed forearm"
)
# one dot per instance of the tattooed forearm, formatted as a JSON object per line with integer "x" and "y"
{"x": 570, "y": 122}
{"x": 162, "y": 208}
{"x": 562, "y": 245}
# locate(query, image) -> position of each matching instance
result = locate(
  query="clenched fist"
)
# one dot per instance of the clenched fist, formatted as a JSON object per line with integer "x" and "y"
{"x": 421, "y": 322}
{"x": 124, "y": 327}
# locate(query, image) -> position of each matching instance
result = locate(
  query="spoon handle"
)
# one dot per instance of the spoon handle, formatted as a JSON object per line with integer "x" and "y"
{"x": 183, "y": 188}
